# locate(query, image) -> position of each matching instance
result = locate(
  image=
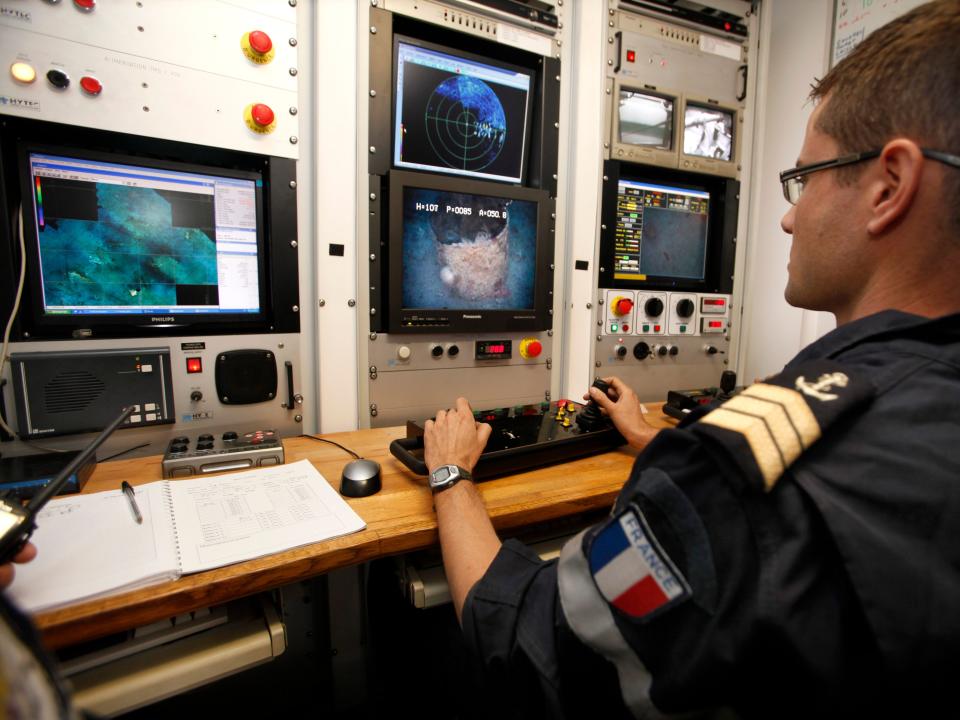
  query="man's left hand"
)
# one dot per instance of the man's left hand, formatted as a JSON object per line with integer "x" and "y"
{"x": 454, "y": 438}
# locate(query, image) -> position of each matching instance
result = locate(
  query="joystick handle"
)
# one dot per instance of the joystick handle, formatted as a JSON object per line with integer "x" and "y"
{"x": 728, "y": 381}
{"x": 590, "y": 418}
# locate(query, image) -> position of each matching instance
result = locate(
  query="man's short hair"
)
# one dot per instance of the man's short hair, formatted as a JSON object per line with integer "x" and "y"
{"x": 903, "y": 80}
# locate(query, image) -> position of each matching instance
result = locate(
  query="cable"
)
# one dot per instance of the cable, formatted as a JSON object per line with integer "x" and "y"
{"x": 16, "y": 307}
{"x": 124, "y": 452}
{"x": 320, "y": 439}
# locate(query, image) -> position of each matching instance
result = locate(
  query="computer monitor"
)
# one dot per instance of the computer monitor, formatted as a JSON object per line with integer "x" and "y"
{"x": 666, "y": 229}
{"x": 644, "y": 125}
{"x": 468, "y": 256}
{"x": 133, "y": 245}
{"x": 460, "y": 114}
{"x": 709, "y": 138}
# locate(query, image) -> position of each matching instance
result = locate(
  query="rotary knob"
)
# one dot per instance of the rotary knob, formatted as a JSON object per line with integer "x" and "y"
{"x": 674, "y": 351}
{"x": 685, "y": 308}
{"x": 653, "y": 307}
{"x": 621, "y": 351}
{"x": 662, "y": 350}
{"x": 641, "y": 350}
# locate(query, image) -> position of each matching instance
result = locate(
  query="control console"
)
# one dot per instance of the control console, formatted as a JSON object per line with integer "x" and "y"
{"x": 526, "y": 436}
{"x": 204, "y": 453}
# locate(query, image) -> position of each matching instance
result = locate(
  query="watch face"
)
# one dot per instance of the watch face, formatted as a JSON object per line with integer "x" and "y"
{"x": 440, "y": 475}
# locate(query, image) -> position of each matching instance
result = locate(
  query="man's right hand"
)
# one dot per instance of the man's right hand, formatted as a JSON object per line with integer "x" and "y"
{"x": 625, "y": 412}
{"x": 28, "y": 553}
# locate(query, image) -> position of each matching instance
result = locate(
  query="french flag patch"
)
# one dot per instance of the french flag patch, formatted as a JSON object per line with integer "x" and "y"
{"x": 632, "y": 571}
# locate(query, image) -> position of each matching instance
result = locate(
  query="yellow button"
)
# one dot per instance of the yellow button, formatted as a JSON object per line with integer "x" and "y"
{"x": 23, "y": 72}
{"x": 571, "y": 407}
{"x": 566, "y": 422}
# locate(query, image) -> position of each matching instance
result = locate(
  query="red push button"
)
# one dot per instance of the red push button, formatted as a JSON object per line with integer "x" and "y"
{"x": 87, "y": 5}
{"x": 631, "y": 56}
{"x": 262, "y": 114}
{"x": 260, "y": 42}
{"x": 90, "y": 85}
{"x": 194, "y": 365}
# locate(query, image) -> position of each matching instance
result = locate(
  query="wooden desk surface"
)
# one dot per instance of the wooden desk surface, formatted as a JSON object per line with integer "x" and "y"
{"x": 399, "y": 519}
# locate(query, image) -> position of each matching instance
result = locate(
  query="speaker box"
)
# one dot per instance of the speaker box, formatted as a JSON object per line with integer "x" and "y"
{"x": 244, "y": 377}
{"x": 58, "y": 393}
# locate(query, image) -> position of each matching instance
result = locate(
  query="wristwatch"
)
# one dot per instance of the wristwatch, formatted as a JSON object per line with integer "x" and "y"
{"x": 446, "y": 476}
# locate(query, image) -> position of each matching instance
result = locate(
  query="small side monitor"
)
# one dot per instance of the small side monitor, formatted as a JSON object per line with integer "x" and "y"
{"x": 710, "y": 142}
{"x": 645, "y": 127}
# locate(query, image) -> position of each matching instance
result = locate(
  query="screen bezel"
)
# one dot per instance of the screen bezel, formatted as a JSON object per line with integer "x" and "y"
{"x": 399, "y": 39}
{"x": 468, "y": 320}
{"x": 698, "y": 163}
{"x": 644, "y": 153}
{"x": 135, "y": 324}
{"x": 721, "y": 227}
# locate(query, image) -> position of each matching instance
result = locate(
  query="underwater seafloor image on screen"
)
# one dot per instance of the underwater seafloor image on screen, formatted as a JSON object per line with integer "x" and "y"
{"x": 468, "y": 252}
{"x": 135, "y": 254}
{"x": 674, "y": 243}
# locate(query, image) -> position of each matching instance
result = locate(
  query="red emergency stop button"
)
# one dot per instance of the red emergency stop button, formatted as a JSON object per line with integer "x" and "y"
{"x": 90, "y": 85}
{"x": 260, "y": 118}
{"x": 260, "y": 42}
{"x": 621, "y": 306}
{"x": 257, "y": 46}
{"x": 530, "y": 348}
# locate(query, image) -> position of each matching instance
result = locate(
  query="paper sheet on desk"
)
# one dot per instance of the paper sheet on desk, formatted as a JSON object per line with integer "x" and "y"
{"x": 90, "y": 545}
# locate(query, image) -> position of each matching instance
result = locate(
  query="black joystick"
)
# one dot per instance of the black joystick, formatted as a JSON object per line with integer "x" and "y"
{"x": 590, "y": 418}
{"x": 728, "y": 381}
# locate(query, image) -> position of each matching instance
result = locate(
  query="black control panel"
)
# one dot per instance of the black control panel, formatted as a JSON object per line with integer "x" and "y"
{"x": 206, "y": 453}
{"x": 525, "y": 437}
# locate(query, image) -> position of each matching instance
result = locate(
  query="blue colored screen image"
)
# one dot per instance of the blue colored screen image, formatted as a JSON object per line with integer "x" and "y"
{"x": 468, "y": 252}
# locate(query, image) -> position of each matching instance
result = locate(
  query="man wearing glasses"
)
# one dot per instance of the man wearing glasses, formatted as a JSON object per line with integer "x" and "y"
{"x": 796, "y": 550}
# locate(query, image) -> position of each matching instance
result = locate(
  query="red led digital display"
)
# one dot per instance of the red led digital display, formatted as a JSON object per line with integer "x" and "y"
{"x": 714, "y": 301}
{"x": 494, "y": 350}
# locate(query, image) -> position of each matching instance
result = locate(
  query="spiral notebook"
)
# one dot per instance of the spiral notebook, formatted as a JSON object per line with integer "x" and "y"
{"x": 91, "y": 545}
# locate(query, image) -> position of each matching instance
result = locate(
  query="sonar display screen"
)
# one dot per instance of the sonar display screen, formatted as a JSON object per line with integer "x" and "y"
{"x": 661, "y": 232}
{"x": 119, "y": 239}
{"x": 460, "y": 116}
{"x": 708, "y": 132}
{"x": 646, "y": 119}
{"x": 468, "y": 252}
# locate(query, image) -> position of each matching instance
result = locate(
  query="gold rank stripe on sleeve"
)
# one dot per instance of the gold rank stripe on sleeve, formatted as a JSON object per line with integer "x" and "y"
{"x": 776, "y": 423}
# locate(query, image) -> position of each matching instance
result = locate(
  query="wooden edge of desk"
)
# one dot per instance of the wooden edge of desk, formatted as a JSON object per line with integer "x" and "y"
{"x": 399, "y": 519}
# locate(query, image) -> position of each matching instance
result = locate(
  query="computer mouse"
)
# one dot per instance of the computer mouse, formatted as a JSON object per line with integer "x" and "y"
{"x": 360, "y": 478}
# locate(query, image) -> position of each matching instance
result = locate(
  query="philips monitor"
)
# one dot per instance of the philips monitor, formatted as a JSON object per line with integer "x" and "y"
{"x": 468, "y": 256}
{"x": 665, "y": 229}
{"x": 121, "y": 245}
{"x": 460, "y": 114}
{"x": 644, "y": 125}
{"x": 709, "y": 138}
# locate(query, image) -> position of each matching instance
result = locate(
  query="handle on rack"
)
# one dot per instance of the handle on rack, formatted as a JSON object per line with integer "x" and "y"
{"x": 401, "y": 448}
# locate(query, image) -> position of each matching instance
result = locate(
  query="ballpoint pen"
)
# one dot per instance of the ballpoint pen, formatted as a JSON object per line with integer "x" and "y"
{"x": 128, "y": 491}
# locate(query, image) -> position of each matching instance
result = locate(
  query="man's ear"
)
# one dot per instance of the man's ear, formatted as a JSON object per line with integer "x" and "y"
{"x": 894, "y": 183}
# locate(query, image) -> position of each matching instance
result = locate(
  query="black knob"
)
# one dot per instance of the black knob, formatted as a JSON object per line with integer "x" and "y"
{"x": 590, "y": 417}
{"x": 229, "y": 435}
{"x": 206, "y": 437}
{"x": 674, "y": 350}
{"x": 196, "y": 396}
{"x": 621, "y": 351}
{"x": 58, "y": 78}
{"x": 685, "y": 308}
{"x": 661, "y": 350}
{"x": 641, "y": 350}
{"x": 711, "y": 350}
{"x": 653, "y": 307}
{"x": 453, "y": 351}
{"x": 436, "y": 350}
{"x": 728, "y": 381}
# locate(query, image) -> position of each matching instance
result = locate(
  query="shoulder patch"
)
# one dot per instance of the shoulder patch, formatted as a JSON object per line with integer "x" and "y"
{"x": 631, "y": 570}
{"x": 765, "y": 428}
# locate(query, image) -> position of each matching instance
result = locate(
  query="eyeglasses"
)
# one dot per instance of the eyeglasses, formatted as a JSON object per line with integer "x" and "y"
{"x": 793, "y": 179}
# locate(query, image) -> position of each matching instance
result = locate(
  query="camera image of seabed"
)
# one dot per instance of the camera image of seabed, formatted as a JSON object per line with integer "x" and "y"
{"x": 466, "y": 124}
{"x": 132, "y": 256}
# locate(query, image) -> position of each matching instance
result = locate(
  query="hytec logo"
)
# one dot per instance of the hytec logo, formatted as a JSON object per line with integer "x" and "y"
{"x": 15, "y": 14}
{"x": 19, "y": 103}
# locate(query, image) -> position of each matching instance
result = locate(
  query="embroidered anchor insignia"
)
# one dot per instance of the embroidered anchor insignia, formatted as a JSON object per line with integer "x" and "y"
{"x": 824, "y": 383}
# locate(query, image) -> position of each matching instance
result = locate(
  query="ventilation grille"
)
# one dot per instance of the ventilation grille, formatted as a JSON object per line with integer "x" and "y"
{"x": 71, "y": 391}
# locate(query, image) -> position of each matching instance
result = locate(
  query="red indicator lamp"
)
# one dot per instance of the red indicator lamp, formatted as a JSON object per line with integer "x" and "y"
{"x": 631, "y": 56}
{"x": 194, "y": 365}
